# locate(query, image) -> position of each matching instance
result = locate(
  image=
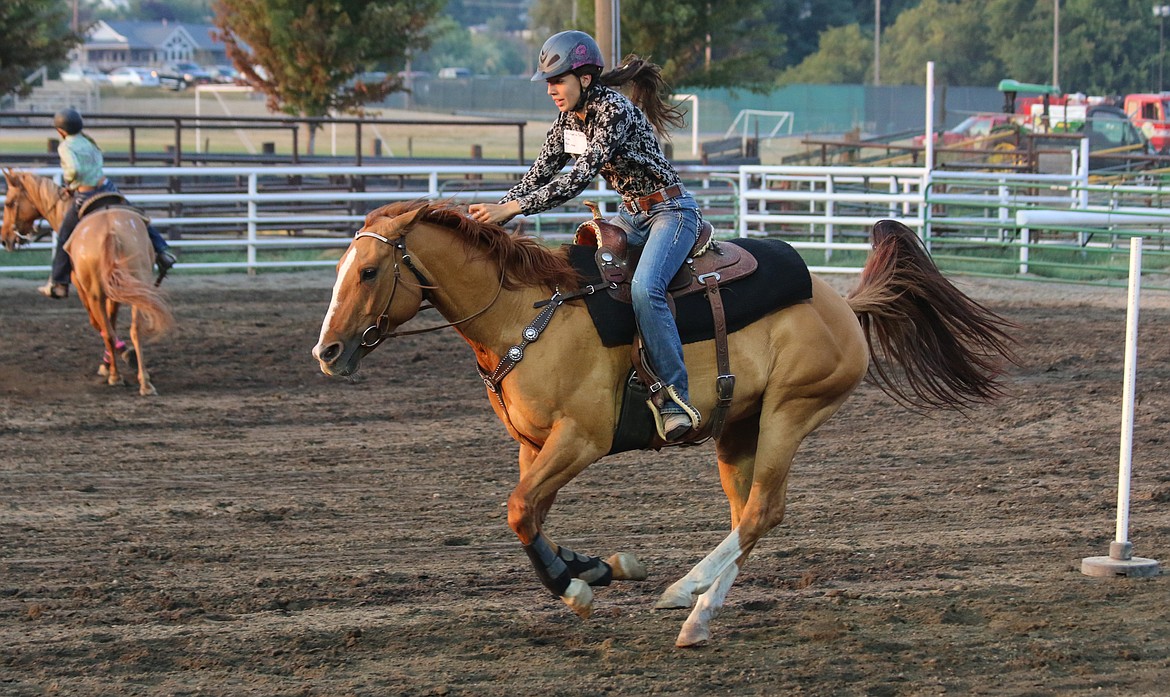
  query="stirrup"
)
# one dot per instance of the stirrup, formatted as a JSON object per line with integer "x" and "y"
{"x": 660, "y": 420}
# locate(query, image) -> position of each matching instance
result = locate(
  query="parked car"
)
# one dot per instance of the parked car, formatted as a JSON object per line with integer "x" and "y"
{"x": 181, "y": 75}
{"x": 1110, "y": 129}
{"x": 92, "y": 76}
{"x": 1114, "y": 142}
{"x": 973, "y": 128}
{"x": 450, "y": 73}
{"x": 133, "y": 76}
{"x": 224, "y": 74}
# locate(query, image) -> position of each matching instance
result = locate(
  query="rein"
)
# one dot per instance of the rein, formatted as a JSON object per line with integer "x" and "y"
{"x": 376, "y": 333}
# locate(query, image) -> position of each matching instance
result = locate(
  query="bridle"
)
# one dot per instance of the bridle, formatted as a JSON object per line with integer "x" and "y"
{"x": 12, "y": 203}
{"x": 376, "y": 333}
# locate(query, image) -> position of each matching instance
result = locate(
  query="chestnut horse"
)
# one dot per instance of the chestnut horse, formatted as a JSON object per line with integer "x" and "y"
{"x": 112, "y": 265}
{"x": 794, "y": 368}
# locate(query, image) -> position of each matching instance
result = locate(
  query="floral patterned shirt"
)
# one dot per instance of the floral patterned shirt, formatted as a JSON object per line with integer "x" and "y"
{"x": 620, "y": 145}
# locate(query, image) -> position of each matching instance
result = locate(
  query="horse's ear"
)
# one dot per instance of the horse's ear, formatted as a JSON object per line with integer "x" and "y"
{"x": 419, "y": 214}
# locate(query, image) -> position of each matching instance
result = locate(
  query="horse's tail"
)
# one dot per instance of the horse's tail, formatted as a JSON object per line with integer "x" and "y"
{"x": 123, "y": 286}
{"x": 951, "y": 349}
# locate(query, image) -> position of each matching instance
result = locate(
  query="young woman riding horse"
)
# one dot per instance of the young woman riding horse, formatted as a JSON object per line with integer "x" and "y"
{"x": 609, "y": 135}
{"x": 794, "y": 368}
{"x": 81, "y": 170}
{"x": 111, "y": 257}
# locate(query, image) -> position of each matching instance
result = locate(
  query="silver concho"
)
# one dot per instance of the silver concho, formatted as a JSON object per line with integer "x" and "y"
{"x": 531, "y": 334}
{"x": 515, "y": 353}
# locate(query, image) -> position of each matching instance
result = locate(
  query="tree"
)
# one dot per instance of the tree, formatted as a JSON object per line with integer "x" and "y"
{"x": 950, "y": 33}
{"x": 305, "y": 55}
{"x": 1108, "y": 46}
{"x": 36, "y": 33}
{"x": 698, "y": 43}
{"x": 803, "y": 23}
{"x": 844, "y": 56}
{"x": 189, "y": 11}
{"x": 490, "y": 52}
{"x": 704, "y": 43}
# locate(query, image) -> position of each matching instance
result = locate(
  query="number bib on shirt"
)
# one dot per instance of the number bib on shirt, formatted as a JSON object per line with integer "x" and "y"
{"x": 575, "y": 142}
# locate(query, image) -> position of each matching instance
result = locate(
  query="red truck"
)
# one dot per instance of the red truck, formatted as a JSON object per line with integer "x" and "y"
{"x": 1149, "y": 113}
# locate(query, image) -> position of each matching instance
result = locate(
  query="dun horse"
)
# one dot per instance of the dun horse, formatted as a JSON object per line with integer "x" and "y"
{"x": 794, "y": 368}
{"x": 112, "y": 258}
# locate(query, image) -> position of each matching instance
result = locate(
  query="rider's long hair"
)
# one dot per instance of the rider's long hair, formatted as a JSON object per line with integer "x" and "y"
{"x": 647, "y": 91}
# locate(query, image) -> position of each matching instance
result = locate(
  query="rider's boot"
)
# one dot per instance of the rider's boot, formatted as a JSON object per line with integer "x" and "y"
{"x": 165, "y": 260}
{"x": 676, "y": 418}
{"x": 55, "y": 291}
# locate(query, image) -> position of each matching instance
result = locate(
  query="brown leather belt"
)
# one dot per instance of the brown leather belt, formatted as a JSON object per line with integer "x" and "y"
{"x": 645, "y": 203}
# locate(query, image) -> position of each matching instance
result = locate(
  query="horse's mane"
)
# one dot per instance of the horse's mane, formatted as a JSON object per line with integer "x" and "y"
{"x": 524, "y": 260}
{"x": 47, "y": 191}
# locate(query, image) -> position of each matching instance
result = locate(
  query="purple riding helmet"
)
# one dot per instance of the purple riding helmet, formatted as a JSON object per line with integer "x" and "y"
{"x": 565, "y": 52}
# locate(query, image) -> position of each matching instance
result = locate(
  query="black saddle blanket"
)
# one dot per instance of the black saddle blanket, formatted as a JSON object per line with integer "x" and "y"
{"x": 782, "y": 279}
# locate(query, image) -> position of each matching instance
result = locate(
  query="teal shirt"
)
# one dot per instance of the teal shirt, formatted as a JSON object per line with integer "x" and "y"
{"x": 81, "y": 161}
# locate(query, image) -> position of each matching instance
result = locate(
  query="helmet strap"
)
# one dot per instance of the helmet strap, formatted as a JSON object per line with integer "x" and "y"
{"x": 584, "y": 98}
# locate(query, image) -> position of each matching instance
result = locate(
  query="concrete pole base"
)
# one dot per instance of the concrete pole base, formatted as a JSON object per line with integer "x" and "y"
{"x": 1120, "y": 563}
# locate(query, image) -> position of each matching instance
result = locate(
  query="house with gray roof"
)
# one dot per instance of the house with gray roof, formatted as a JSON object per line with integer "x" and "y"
{"x": 114, "y": 43}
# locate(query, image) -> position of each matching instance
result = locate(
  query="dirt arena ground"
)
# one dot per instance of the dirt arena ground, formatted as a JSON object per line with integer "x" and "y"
{"x": 259, "y": 529}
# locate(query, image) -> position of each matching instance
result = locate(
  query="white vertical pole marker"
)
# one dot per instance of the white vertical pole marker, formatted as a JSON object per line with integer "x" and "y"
{"x": 1121, "y": 561}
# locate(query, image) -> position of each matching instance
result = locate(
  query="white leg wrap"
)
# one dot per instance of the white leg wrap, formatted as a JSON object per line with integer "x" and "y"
{"x": 695, "y": 630}
{"x": 699, "y": 579}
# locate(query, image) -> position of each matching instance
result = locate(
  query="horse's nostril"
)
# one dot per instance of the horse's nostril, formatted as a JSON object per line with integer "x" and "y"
{"x": 329, "y": 353}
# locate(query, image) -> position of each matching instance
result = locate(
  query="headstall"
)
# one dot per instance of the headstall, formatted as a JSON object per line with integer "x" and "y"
{"x": 376, "y": 333}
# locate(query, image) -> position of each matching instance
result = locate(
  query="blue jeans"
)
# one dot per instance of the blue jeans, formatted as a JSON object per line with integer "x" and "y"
{"x": 62, "y": 265}
{"x": 666, "y": 234}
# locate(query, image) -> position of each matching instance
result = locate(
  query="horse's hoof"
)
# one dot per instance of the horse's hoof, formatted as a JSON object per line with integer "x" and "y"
{"x": 148, "y": 391}
{"x": 103, "y": 370}
{"x": 674, "y": 598}
{"x": 692, "y": 636}
{"x": 579, "y": 597}
{"x": 626, "y": 567}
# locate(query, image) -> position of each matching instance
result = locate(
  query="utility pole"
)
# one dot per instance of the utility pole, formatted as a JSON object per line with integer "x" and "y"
{"x": 1161, "y": 12}
{"x": 877, "y": 42}
{"x": 608, "y": 23}
{"x": 1055, "y": 43}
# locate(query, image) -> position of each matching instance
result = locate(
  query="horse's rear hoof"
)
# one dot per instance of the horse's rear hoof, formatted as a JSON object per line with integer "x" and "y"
{"x": 692, "y": 637}
{"x": 626, "y": 567}
{"x": 148, "y": 391}
{"x": 674, "y": 598}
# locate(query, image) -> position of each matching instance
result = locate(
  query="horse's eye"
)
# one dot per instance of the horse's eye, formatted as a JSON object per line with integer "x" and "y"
{"x": 369, "y": 273}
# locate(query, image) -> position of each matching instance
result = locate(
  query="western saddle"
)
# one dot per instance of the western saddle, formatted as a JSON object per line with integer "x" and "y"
{"x": 709, "y": 265}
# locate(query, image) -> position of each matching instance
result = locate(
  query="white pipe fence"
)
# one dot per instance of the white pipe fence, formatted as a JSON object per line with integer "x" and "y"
{"x": 828, "y": 209}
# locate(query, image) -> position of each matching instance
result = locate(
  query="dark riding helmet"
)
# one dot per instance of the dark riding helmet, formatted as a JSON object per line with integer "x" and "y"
{"x": 68, "y": 120}
{"x": 566, "y": 52}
